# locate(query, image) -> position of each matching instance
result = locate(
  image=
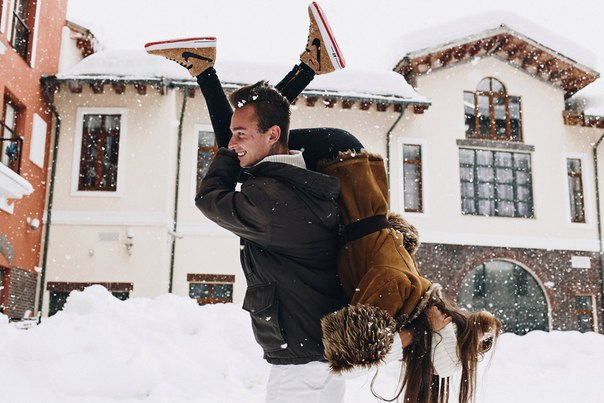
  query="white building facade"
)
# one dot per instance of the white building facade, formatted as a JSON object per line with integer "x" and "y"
{"x": 487, "y": 162}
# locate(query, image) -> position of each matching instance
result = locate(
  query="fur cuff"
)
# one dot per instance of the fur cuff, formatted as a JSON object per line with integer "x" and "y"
{"x": 434, "y": 292}
{"x": 357, "y": 335}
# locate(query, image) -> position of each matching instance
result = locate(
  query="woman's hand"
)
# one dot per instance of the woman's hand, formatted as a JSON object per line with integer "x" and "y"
{"x": 406, "y": 337}
{"x": 437, "y": 319}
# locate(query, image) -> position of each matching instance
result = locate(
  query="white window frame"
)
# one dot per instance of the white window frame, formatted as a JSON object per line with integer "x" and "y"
{"x": 587, "y": 189}
{"x": 77, "y": 151}
{"x": 8, "y": 19}
{"x": 400, "y": 188}
{"x": 196, "y": 129}
{"x": 3, "y": 16}
{"x": 37, "y": 150}
{"x": 34, "y": 36}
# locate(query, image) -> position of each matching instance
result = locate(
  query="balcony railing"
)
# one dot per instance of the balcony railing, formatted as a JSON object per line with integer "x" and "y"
{"x": 20, "y": 36}
{"x": 11, "y": 147}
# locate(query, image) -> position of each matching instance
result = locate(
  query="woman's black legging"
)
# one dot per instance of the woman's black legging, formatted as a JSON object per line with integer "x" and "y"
{"x": 316, "y": 144}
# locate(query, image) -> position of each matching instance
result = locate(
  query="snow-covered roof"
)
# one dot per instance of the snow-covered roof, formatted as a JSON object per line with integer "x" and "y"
{"x": 590, "y": 100}
{"x": 469, "y": 27}
{"x": 123, "y": 64}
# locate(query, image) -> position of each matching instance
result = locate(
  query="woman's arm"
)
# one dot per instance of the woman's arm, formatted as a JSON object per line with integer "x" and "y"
{"x": 444, "y": 343}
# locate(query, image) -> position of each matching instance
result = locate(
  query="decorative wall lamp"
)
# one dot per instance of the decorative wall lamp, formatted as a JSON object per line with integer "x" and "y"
{"x": 129, "y": 241}
{"x": 33, "y": 223}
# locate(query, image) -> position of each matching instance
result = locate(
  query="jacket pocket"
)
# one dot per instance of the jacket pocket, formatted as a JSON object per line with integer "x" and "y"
{"x": 263, "y": 305}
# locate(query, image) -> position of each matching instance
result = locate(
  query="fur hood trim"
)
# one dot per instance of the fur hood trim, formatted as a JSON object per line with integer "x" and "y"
{"x": 410, "y": 234}
{"x": 357, "y": 336}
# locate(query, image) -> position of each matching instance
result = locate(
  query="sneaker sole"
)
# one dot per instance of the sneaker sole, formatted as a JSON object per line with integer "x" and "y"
{"x": 335, "y": 55}
{"x": 208, "y": 42}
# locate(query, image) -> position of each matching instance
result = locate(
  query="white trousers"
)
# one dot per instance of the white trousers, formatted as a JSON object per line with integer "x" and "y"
{"x": 306, "y": 383}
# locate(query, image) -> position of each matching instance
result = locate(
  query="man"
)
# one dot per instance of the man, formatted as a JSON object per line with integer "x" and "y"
{"x": 285, "y": 215}
{"x": 287, "y": 219}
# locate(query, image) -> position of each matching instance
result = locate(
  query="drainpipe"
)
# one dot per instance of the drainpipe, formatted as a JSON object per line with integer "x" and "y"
{"x": 176, "y": 190}
{"x": 46, "y": 83}
{"x": 388, "y": 134}
{"x": 599, "y": 225}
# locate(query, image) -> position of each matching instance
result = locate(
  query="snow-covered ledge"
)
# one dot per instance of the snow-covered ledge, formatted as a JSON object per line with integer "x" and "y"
{"x": 13, "y": 186}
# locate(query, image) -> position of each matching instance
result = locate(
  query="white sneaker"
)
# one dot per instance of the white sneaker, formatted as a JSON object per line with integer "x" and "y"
{"x": 322, "y": 53}
{"x": 195, "y": 54}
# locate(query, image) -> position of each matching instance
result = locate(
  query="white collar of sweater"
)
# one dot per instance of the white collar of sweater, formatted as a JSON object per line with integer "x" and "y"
{"x": 294, "y": 158}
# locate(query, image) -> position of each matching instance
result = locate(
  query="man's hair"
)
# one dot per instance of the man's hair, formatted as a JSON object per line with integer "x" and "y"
{"x": 272, "y": 108}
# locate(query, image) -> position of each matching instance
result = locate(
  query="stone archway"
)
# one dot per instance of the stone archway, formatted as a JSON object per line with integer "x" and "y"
{"x": 508, "y": 291}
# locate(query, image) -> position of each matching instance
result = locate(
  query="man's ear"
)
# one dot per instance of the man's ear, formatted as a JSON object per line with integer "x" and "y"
{"x": 274, "y": 134}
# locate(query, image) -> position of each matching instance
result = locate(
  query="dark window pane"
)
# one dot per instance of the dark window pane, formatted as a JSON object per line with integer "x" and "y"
{"x": 509, "y": 292}
{"x": 468, "y": 206}
{"x": 470, "y": 113}
{"x": 205, "y": 139}
{"x": 467, "y": 189}
{"x": 486, "y": 207}
{"x": 485, "y": 174}
{"x": 223, "y": 291}
{"x": 199, "y": 290}
{"x": 515, "y": 121}
{"x": 412, "y": 177}
{"x": 504, "y": 175}
{"x": 486, "y": 191}
{"x": 99, "y": 152}
{"x": 497, "y": 86}
{"x": 121, "y": 295}
{"x": 575, "y": 190}
{"x": 467, "y": 174}
{"x": 499, "y": 108}
{"x": 466, "y": 156}
{"x": 411, "y": 152}
{"x": 484, "y": 157}
{"x": 56, "y": 302}
{"x": 505, "y": 192}
{"x": 503, "y": 159}
{"x": 484, "y": 116}
{"x": 484, "y": 85}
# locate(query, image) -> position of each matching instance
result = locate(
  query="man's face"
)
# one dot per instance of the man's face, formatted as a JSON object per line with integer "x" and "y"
{"x": 250, "y": 144}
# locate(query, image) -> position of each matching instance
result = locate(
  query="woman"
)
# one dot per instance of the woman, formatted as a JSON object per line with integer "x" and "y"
{"x": 376, "y": 262}
{"x": 391, "y": 302}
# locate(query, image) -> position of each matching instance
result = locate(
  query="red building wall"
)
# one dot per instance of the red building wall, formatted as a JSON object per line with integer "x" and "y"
{"x": 20, "y": 81}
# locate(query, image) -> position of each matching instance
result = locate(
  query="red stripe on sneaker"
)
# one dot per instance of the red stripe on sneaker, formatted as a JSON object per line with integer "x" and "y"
{"x": 331, "y": 37}
{"x": 207, "y": 38}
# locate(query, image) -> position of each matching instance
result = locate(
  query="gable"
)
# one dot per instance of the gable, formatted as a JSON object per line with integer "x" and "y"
{"x": 507, "y": 45}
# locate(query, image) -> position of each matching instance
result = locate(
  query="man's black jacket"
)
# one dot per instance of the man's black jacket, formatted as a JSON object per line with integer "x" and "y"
{"x": 287, "y": 220}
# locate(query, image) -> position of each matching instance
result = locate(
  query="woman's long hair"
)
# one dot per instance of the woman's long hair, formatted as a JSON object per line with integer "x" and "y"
{"x": 477, "y": 332}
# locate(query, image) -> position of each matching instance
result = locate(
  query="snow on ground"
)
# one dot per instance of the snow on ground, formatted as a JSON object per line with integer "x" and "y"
{"x": 168, "y": 349}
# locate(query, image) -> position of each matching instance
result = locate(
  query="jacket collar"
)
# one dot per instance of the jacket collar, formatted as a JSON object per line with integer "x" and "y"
{"x": 315, "y": 183}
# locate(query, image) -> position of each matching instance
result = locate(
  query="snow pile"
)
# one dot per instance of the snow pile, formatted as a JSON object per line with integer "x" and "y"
{"x": 100, "y": 349}
{"x": 168, "y": 349}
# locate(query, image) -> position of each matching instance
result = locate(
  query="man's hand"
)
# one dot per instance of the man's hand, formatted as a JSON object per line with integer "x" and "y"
{"x": 437, "y": 319}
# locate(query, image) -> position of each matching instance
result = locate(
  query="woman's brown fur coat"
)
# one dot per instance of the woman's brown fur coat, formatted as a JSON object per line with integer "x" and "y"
{"x": 378, "y": 271}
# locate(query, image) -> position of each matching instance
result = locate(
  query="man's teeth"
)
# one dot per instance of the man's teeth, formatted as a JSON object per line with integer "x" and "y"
{"x": 241, "y": 153}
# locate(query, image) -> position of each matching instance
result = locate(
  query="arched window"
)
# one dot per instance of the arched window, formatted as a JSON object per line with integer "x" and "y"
{"x": 509, "y": 292}
{"x": 490, "y": 113}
